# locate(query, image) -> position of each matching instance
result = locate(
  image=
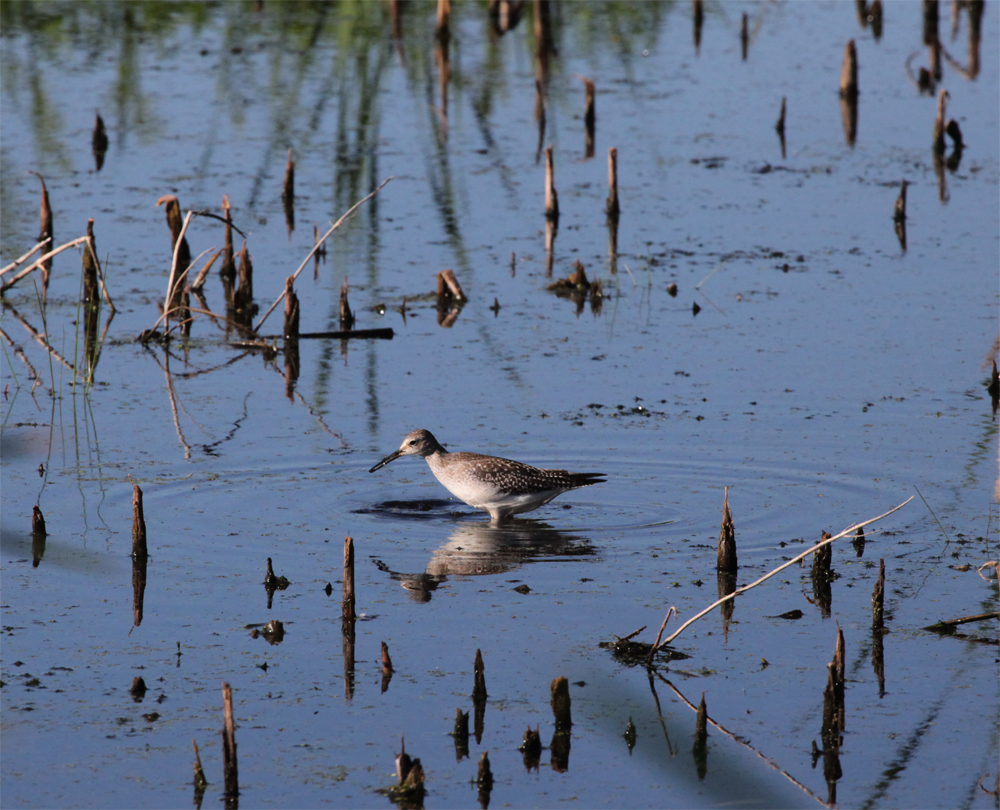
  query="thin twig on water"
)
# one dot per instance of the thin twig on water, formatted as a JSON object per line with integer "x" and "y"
{"x": 770, "y": 574}
{"x": 318, "y": 244}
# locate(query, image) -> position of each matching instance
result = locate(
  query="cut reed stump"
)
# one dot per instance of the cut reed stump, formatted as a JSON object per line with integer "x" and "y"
{"x": 484, "y": 780}
{"x": 99, "y": 141}
{"x": 182, "y": 251}
{"x": 45, "y": 231}
{"x": 939, "y": 122}
{"x": 228, "y": 267}
{"x": 410, "y": 774}
{"x": 589, "y": 117}
{"x": 448, "y": 289}
{"x": 91, "y": 290}
{"x": 347, "y": 604}
{"x": 823, "y": 559}
{"x": 726, "y": 553}
{"x": 551, "y": 197}
{"x": 611, "y": 204}
{"x": 849, "y": 71}
{"x": 479, "y": 684}
{"x": 386, "y": 667}
{"x": 561, "y": 705}
{"x": 138, "y": 689}
{"x": 479, "y": 696}
{"x": 244, "y": 292}
{"x": 701, "y": 723}
{"x": 443, "y": 28}
{"x": 140, "y": 557}
{"x": 560, "y": 745}
{"x": 199, "y": 773}
{"x": 229, "y": 764}
{"x": 859, "y": 542}
{"x": 878, "y": 598}
{"x": 461, "y": 735}
{"x": 744, "y": 36}
{"x": 346, "y": 316}
{"x": 899, "y": 212}
{"x": 288, "y": 194}
{"x": 291, "y": 331}
{"x": 697, "y": 19}
{"x": 37, "y": 522}
{"x": 139, "y": 548}
{"x": 840, "y": 668}
{"x": 780, "y": 127}
{"x": 288, "y": 188}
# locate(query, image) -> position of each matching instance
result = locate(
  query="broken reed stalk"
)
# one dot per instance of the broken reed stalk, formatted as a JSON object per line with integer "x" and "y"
{"x": 174, "y": 280}
{"x": 442, "y": 29}
{"x": 780, "y": 125}
{"x": 228, "y": 267}
{"x": 899, "y": 212}
{"x": 744, "y": 36}
{"x": 878, "y": 598}
{"x": 849, "y": 71}
{"x": 780, "y": 568}
{"x": 244, "y": 289}
{"x": 939, "y": 122}
{"x": 830, "y": 730}
{"x": 288, "y": 189}
{"x": 551, "y": 197}
{"x": 229, "y": 764}
{"x": 589, "y": 116}
{"x": 448, "y": 287}
{"x": 138, "y": 524}
{"x": 92, "y": 249}
{"x": 948, "y": 625}
{"x": 386, "y": 660}
{"x": 701, "y": 723}
{"x": 47, "y": 240}
{"x": 346, "y": 316}
{"x": 479, "y": 683}
{"x": 90, "y": 267}
{"x": 839, "y": 669}
{"x": 199, "y": 280}
{"x": 291, "y": 331}
{"x": 347, "y": 605}
{"x": 40, "y": 261}
{"x": 823, "y": 559}
{"x": 461, "y": 734}
{"x": 656, "y": 644}
{"x": 561, "y": 705}
{"x": 726, "y": 553}
{"x": 45, "y": 210}
{"x": 319, "y": 244}
{"x": 199, "y": 772}
{"x": 37, "y": 522}
{"x": 484, "y": 777}
{"x": 612, "y": 202}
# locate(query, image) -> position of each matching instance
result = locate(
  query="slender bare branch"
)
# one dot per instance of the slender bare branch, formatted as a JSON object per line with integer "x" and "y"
{"x": 770, "y": 574}
{"x": 40, "y": 260}
{"x": 25, "y": 257}
{"x": 318, "y": 244}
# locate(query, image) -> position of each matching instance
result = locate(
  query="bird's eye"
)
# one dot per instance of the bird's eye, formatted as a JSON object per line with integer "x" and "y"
{"x": 412, "y": 442}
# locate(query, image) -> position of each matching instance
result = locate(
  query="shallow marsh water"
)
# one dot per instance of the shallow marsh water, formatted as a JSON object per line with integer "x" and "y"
{"x": 827, "y": 376}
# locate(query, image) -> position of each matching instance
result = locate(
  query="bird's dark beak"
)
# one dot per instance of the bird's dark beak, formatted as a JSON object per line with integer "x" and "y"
{"x": 386, "y": 460}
